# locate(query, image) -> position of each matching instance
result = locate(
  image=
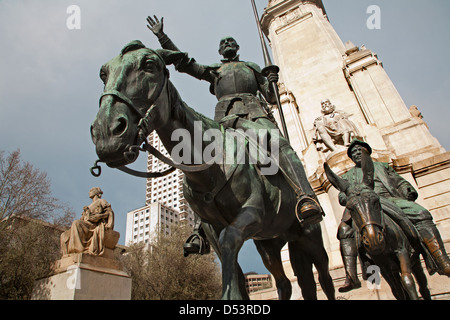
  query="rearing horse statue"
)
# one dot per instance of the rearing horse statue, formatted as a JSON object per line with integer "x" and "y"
{"x": 234, "y": 202}
{"x": 382, "y": 242}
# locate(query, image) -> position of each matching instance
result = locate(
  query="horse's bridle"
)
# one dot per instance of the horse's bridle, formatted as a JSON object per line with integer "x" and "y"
{"x": 142, "y": 138}
{"x": 371, "y": 223}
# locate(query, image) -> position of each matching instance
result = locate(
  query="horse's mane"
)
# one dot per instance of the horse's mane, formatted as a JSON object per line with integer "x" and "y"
{"x": 131, "y": 46}
{"x": 180, "y": 109}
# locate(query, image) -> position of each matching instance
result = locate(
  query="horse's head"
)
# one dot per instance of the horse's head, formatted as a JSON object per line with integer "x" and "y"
{"x": 133, "y": 104}
{"x": 364, "y": 205}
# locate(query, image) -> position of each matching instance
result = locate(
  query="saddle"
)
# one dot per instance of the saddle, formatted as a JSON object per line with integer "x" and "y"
{"x": 306, "y": 207}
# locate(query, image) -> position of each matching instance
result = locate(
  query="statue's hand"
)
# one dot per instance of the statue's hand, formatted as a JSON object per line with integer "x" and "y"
{"x": 273, "y": 77}
{"x": 155, "y": 26}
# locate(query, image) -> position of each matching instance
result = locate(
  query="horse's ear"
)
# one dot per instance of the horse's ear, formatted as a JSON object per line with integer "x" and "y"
{"x": 336, "y": 181}
{"x": 367, "y": 168}
{"x": 170, "y": 56}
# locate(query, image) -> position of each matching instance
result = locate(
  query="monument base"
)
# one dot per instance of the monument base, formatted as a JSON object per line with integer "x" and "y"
{"x": 82, "y": 276}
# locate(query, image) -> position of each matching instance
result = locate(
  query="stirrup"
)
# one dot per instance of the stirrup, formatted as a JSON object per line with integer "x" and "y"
{"x": 308, "y": 210}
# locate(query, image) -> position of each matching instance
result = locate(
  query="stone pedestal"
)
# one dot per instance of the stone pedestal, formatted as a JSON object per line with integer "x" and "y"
{"x": 82, "y": 276}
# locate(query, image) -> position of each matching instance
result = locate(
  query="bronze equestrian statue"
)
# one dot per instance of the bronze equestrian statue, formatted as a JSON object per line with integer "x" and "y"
{"x": 238, "y": 85}
{"x": 234, "y": 201}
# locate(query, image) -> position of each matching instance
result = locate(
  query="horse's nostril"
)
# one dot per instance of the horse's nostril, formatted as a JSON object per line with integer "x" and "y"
{"x": 120, "y": 127}
{"x": 365, "y": 240}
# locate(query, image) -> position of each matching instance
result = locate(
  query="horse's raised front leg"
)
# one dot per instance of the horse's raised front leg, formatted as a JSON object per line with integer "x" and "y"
{"x": 231, "y": 240}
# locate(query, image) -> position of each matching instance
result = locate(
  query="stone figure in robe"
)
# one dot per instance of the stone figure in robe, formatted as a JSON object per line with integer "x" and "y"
{"x": 87, "y": 235}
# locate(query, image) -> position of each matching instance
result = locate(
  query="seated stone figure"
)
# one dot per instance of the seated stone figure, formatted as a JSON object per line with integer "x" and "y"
{"x": 333, "y": 128}
{"x": 94, "y": 231}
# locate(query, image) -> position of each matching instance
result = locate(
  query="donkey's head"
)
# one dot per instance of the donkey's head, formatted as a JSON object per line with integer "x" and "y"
{"x": 363, "y": 203}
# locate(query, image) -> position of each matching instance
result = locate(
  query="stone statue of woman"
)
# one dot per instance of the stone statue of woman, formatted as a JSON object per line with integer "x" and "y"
{"x": 87, "y": 234}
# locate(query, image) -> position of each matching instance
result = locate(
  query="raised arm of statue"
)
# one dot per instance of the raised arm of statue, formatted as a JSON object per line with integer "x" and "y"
{"x": 157, "y": 27}
{"x": 188, "y": 65}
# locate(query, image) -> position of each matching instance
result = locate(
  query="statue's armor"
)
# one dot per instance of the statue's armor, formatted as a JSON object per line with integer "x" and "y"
{"x": 243, "y": 92}
{"x": 235, "y": 77}
{"x": 236, "y": 86}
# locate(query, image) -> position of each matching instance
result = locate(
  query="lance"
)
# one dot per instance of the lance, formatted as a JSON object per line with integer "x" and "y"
{"x": 270, "y": 68}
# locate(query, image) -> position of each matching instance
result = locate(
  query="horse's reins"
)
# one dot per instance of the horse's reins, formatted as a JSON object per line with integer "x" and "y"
{"x": 142, "y": 137}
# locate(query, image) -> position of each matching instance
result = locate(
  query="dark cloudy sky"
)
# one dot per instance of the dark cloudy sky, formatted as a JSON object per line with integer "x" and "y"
{"x": 49, "y": 84}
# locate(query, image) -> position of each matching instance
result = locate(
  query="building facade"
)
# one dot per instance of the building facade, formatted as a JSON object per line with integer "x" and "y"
{"x": 166, "y": 190}
{"x": 164, "y": 204}
{"x": 256, "y": 282}
{"x": 145, "y": 223}
{"x": 315, "y": 65}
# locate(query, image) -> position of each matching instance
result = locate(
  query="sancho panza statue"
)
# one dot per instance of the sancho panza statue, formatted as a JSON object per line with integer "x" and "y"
{"x": 87, "y": 235}
{"x": 397, "y": 198}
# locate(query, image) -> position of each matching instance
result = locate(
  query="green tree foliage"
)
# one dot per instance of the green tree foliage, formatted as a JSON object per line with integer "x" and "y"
{"x": 161, "y": 272}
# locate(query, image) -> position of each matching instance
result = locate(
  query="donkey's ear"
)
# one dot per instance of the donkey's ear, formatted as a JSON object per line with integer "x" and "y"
{"x": 170, "y": 56}
{"x": 339, "y": 183}
{"x": 367, "y": 168}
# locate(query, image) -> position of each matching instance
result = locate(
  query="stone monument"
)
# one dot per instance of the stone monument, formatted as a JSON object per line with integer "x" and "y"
{"x": 316, "y": 64}
{"x": 88, "y": 269}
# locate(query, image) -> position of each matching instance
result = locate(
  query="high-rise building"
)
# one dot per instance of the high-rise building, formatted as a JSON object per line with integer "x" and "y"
{"x": 145, "y": 223}
{"x": 316, "y": 65}
{"x": 164, "y": 205}
{"x": 167, "y": 190}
